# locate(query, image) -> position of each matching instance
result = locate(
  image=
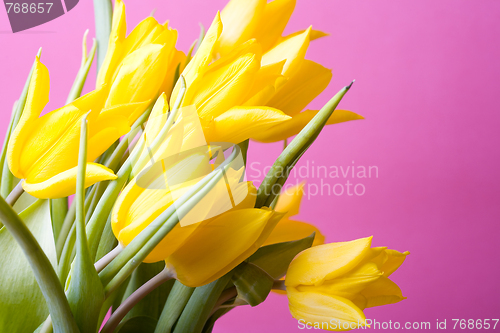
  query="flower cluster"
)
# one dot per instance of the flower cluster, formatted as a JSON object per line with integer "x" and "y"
{"x": 155, "y": 156}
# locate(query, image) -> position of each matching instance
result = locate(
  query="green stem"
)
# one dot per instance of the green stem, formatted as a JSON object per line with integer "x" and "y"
{"x": 135, "y": 298}
{"x": 58, "y": 212}
{"x": 200, "y": 305}
{"x": 15, "y": 194}
{"x": 65, "y": 229}
{"x": 45, "y": 275}
{"x": 176, "y": 301}
{"x": 103, "y": 13}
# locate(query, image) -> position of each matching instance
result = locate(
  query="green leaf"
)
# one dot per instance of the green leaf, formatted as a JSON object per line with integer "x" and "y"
{"x": 24, "y": 201}
{"x": 85, "y": 292}
{"x": 58, "y": 211}
{"x": 143, "y": 324}
{"x": 22, "y": 304}
{"x": 176, "y": 301}
{"x": 284, "y": 164}
{"x": 252, "y": 283}
{"x": 153, "y": 303}
{"x": 81, "y": 76}
{"x": 107, "y": 242}
{"x": 200, "y": 305}
{"x": 275, "y": 258}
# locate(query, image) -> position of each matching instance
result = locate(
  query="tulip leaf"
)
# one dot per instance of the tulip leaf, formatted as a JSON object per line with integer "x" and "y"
{"x": 176, "y": 301}
{"x": 85, "y": 292}
{"x": 200, "y": 305}
{"x": 22, "y": 304}
{"x": 24, "y": 201}
{"x": 252, "y": 283}
{"x": 153, "y": 303}
{"x": 274, "y": 259}
{"x": 284, "y": 164}
{"x": 58, "y": 211}
{"x": 81, "y": 76}
{"x": 143, "y": 324}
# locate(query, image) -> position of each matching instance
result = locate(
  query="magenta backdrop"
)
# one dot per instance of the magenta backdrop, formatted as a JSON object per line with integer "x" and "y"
{"x": 427, "y": 80}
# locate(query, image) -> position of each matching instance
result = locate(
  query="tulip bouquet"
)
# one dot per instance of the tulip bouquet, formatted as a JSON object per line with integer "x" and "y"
{"x": 128, "y": 209}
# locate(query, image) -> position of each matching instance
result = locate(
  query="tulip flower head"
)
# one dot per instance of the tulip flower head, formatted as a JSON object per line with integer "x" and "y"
{"x": 138, "y": 66}
{"x": 43, "y": 151}
{"x": 263, "y": 23}
{"x": 329, "y": 286}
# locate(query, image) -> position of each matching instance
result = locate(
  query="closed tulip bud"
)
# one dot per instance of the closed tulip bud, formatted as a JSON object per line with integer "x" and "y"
{"x": 334, "y": 283}
{"x": 136, "y": 66}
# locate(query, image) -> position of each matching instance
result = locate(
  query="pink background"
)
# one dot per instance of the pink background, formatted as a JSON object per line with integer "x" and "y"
{"x": 427, "y": 80}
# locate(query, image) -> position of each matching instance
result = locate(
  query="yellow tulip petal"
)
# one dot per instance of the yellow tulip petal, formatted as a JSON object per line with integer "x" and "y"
{"x": 38, "y": 93}
{"x": 309, "y": 81}
{"x": 315, "y": 34}
{"x": 130, "y": 111}
{"x": 37, "y": 98}
{"x": 115, "y": 46}
{"x": 103, "y": 132}
{"x": 394, "y": 260}
{"x": 294, "y": 125}
{"x": 140, "y": 76}
{"x": 240, "y": 19}
{"x": 326, "y": 262}
{"x": 289, "y": 230}
{"x": 203, "y": 55}
{"x": 143, "y": 34}
{"x": 290, "y": 199}
{"x": 325, "y": 311}
{"x": 349, "y": 285}
{"x": 273, "y": 22}
{"x": 382, "y": 292}
{"x": 217, "y": 247}
{"x": 266, "y": 83}
{"x": 64, "y": 184}
{"x": 293, "y": 50}
{"x": 224, "y": 87}
{"x": 241, "y": 122}
{"x": 52, "y": 146}
{"x": 157, "y": 118}
{"x": 178, "y": 60}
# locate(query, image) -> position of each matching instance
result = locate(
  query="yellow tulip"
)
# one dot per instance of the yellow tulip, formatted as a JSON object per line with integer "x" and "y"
{"x": 287, "y": 229}
{"x": 138, "y": 66}
{"x": 218, "y": 233}
{"x": 44, "y": 150}
{"x": 220, "y": 244}
{"x": 302, "y": 80}
{"x": 334, "y": 283}
{"x": 228, "y": 93}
